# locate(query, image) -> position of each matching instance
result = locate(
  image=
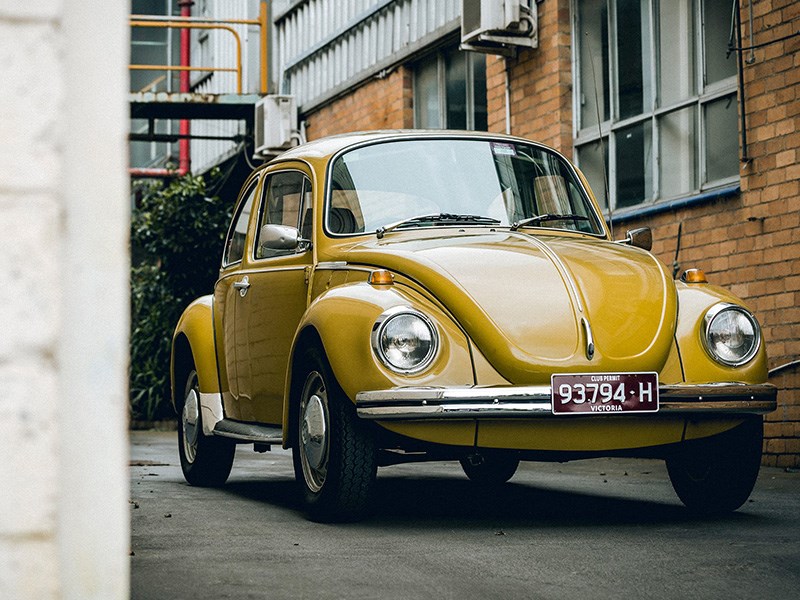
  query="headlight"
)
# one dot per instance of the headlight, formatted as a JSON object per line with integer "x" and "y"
{"x": 405, "y": 340}
{"x": 732, "y": 335}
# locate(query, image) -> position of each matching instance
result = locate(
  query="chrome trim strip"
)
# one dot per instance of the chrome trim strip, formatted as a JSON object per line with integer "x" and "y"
{"x": 562, "y": 268}
{"x": 587, "y": 328}
{"x": 333, "y": 265}
{"x": 535, "y": 401}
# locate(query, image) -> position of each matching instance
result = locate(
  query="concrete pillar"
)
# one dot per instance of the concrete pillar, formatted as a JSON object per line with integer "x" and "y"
{"x": 64, "y": 315}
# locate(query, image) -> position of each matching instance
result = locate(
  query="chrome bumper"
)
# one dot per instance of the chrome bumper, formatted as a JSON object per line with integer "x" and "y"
{"x": 415, "y": 403}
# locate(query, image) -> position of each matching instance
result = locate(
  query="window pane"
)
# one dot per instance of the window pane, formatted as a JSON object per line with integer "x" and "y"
{"x": 717, "y": 16}
{"x": 284, "y": 198}
{"x": 593, "y": 43}
{"x": 234, "y": 248}
{"x": 722, "y": 139}
{"x": 592, "y": 159}
{"x": 426, "y": 94}
{"x": 676, "y": 51}
{"x": 634, "y": 68}
{"x": 478, "y": 62}
{"x": 634, "y": 165}
{"x": 455, "y": 64}
{"x": 678, "y": 142}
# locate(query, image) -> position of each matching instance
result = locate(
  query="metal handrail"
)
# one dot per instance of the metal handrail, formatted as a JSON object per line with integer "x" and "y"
{"x": 203, "y": 23}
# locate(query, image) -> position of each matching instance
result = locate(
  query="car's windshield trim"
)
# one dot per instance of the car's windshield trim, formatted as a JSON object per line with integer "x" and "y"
{"x": 596, "y": 219}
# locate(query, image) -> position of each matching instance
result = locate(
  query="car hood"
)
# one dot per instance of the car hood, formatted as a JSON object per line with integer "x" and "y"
{"x": 532, "y": 303}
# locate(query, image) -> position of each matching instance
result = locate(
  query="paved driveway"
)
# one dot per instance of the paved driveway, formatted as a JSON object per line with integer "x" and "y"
{"x": 604, "y": 528}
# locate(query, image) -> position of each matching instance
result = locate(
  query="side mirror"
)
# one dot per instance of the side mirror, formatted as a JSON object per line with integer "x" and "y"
{"x": 640, "y": 238}
{"x": 279, "y": 237}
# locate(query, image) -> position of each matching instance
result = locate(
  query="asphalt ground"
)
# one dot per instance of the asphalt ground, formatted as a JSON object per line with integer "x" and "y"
{"x": 602, "y": 528}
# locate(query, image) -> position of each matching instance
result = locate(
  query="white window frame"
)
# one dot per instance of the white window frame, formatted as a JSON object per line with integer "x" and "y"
{"x": 607, "y": 129}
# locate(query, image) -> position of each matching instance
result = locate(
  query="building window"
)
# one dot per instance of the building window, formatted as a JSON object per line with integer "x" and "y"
{"x": 655, "y": 98}
{"x": 450, "y": 91}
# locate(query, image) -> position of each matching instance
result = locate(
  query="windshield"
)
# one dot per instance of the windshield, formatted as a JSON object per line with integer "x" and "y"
{"x": 447, "y": 182}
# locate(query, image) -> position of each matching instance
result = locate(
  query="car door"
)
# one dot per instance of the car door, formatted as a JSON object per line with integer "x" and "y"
{"x": 227, "y": 292}
{"x": 270, "y": 311}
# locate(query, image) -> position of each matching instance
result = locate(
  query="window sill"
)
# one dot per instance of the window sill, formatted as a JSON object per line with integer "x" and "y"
{"x": 649, "y": 210}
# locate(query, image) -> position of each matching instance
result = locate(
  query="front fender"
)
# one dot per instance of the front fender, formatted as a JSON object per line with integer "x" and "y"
{"x": 195, "y": 330}
{"x": 342, "y": 318}
{"x": 698, "y": 366}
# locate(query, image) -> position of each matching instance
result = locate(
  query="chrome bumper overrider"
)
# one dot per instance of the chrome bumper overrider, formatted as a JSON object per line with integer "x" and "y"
{"x": 408, "y": 403}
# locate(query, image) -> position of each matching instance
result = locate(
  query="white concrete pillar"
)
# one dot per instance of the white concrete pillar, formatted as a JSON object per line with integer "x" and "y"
{"x": 64, "y": 315}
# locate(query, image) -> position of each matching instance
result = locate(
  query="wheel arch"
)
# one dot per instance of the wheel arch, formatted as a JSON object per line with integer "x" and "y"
{"x": 307, "y": 338}
{"x": 193, "y": 344}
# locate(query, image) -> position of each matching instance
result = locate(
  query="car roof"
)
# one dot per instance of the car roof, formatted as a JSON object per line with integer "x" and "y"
{"x": 328, "y": 146}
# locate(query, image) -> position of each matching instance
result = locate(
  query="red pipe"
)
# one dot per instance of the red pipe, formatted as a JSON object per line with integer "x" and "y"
{"x": 184, "y": 153}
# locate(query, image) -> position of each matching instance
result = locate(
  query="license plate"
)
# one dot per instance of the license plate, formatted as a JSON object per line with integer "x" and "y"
{"x": 604, "y": 393}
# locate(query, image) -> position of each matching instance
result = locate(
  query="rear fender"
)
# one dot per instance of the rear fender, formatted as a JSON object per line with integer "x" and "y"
{"x": 193, "y": 341}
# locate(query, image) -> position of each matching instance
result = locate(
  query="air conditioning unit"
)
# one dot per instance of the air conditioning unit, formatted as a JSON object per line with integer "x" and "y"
{"x": 275, "y": 125}
{"x": 498, "y": 26}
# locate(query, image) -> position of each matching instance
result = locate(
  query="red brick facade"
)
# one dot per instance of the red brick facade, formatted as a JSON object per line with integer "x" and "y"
{"x": 385, "y": 103}
{"x": 747, "y": 243}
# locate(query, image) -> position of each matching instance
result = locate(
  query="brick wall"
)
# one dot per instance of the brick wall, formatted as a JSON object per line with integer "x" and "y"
{"x": 385, "y": 103}
{"x": 749, "y": 243}
{"x": 540, "y": 84}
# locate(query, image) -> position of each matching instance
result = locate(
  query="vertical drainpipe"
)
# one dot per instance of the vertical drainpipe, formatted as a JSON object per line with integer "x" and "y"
{"x": 184, "y": 154}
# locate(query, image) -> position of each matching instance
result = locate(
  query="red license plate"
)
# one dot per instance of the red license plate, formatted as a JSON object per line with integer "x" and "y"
{"x": 604, "y": 393}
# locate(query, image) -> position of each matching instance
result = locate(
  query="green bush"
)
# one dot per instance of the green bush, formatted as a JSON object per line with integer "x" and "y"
{"x": 177, "y": 234}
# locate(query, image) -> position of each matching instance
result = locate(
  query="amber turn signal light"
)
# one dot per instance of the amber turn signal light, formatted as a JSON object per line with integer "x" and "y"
{"x": 694, "y": 276}
{"x": 381, "y": 277}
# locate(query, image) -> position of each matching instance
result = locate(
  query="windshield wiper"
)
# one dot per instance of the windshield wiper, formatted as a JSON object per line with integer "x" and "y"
{"x": 437, "y": 218}
{"x": 546, "y": 217}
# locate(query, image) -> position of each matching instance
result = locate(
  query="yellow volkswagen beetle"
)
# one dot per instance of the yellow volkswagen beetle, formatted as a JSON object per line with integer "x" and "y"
{"x": 387, "y": 297}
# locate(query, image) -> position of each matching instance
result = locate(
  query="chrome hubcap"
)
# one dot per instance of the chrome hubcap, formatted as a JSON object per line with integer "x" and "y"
{"x": 314, "y": 440}
{"x": 189, "y": 423}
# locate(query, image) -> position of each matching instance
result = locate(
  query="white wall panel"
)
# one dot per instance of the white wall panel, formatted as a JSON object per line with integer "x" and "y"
{"x": 325, "y": 45}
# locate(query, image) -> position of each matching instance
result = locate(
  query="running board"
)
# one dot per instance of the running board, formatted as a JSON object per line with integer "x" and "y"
{"x": 249, "y": 432}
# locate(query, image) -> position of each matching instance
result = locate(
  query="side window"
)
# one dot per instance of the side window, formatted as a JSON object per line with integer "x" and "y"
{"x": 287, "y": 201}
{"x": 234, "y": 245}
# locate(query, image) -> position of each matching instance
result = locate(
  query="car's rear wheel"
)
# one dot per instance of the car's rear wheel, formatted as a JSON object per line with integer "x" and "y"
{"x": 335, "y": 460}
{"x": 716, "y": 475}
{"x": 205, "y": 460}
{"x": 490, "y": 468}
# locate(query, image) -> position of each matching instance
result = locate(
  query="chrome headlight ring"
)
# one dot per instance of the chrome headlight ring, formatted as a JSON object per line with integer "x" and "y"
{"x": 731, "y": 334}
{"x": 405, "y": 340}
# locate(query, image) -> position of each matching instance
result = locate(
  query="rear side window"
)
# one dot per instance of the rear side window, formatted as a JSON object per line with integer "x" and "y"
{"x": 234, "y": 244}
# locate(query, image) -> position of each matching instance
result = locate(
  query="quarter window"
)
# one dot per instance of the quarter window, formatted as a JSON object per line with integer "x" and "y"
{"x": 655, "y": 98}
{"x": 234, "y": 247}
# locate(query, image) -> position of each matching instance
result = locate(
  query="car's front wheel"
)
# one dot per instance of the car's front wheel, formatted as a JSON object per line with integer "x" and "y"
{"x": 717, "y": 474}
{"x": 205, "y": 460}
{"x": 335, "y": 460}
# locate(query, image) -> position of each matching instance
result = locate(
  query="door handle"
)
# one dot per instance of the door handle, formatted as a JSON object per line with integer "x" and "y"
{"x": 242, "y": 286}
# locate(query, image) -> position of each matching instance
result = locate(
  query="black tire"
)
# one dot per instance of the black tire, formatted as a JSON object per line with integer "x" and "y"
{"x": 335, "y": 459}
{"x": 490, "y": 468}
{"x": 206, "y": 461}
{"x": 715, "y": 476}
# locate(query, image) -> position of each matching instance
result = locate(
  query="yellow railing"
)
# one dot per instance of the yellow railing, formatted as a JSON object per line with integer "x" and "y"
{"x": 221, "y": 24}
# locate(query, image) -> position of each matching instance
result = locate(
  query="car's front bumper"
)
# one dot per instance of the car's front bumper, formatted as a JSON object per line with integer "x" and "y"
{"x": 433, "y": 403}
